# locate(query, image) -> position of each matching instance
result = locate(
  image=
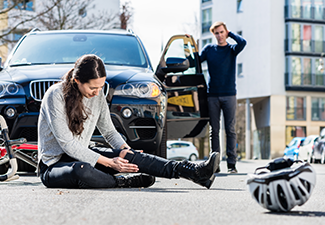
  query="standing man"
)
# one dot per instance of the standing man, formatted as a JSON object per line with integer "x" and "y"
{"x": 221, "y": 60}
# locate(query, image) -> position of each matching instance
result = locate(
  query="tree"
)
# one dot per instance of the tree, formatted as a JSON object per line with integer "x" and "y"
{"x": 13, "y": 16}
{"x": 76, "y": 14}
{"x": 125, "y": 15}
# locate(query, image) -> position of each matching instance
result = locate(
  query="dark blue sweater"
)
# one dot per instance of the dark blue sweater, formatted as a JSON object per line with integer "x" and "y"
{"x": 222, "y": 66}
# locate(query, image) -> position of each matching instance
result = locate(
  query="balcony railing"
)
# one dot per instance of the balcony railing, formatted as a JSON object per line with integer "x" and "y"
{"x": 304, "y": 12}
{"x": 206, "y": 26}
{"x": 203, "y": 1}
{"x": 296, "y": 113}
{"x": 306, "y": 80}
{"x": 318, "y": 114}
{"x": 304, "y": 46}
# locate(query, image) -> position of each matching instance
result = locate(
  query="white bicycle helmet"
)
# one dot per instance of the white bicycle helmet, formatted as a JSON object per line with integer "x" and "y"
{"x": 286, "y": 184}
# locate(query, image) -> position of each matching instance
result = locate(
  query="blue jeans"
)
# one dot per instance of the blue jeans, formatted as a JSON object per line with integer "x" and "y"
{"x": 228, "y": 106}
{"x": 71, "y": 173}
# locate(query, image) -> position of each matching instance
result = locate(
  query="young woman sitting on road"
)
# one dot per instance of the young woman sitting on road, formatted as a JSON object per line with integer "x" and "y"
{"x": 70, "y": 112}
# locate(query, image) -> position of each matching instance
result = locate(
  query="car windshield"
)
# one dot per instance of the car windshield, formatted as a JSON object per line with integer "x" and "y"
{"x": 61, "y": 48}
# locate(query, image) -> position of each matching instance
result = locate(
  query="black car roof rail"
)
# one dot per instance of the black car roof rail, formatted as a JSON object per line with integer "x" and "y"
{"x": 130, "y": 31}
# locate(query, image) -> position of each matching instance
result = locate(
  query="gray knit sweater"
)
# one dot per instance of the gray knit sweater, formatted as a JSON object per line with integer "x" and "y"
{"x": 55, "y": 137}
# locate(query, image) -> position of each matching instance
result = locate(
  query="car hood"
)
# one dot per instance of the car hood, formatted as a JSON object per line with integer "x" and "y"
{"x": 115, "y": 75}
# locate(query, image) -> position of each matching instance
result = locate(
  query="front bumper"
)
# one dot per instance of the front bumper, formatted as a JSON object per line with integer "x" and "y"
{"x": 144, "y": 128}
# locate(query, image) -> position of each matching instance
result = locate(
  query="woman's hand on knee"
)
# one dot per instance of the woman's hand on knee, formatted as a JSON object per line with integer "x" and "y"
{"x": 123, "y": 166}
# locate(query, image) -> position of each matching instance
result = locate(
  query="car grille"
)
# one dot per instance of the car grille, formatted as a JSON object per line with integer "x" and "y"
{"x": 30, "y": 133}
{"x": 39, "y": 87}
{"x": 146, "y": 133}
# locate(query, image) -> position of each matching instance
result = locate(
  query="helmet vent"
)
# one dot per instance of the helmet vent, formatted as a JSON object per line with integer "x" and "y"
{"x": 306, "y": 184}
{"x": 295, "y": 192}
{"x": 282, "y": 198}
{"x": 268, "y": 198}
{"x": 256, "y": 193}
{"x": 301, "y": 191}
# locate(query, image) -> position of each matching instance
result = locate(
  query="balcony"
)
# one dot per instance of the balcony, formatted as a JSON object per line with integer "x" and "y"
{"x": 296, "y": 113}
{"x": 303, "y": 13}
{"x": 304, "y": 82}
{"x": 303, "y": 47}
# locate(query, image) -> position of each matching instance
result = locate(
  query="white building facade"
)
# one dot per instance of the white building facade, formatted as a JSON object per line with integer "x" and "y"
{"x": 279, "y": 73}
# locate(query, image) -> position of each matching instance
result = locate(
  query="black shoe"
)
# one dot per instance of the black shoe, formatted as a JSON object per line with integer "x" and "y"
{"x": 232, "y": 170}
{"x": 203, "y": 173}
{"x": 135, "y": 180}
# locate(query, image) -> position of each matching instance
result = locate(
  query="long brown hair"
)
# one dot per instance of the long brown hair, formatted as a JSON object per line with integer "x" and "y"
{"x": 87, "y": 67}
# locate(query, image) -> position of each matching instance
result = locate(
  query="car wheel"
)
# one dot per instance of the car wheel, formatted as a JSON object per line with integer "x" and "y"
{"x": 193, "y": 157}
{"x": 322, "y": 160}
{"x": 162, "y": 150}
{"x": 310, "y": 158}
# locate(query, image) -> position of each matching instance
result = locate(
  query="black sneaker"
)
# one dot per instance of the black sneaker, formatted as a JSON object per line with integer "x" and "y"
{"x": 135, "y": 180}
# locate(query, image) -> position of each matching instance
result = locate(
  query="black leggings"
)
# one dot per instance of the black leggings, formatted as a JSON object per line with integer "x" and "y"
{"x": 71, "y": 173}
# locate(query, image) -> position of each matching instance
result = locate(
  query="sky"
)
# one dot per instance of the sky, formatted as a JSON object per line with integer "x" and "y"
{"x": 155, "y": 21}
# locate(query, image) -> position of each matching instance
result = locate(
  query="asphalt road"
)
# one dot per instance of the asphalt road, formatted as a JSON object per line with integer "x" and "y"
{"x": 172, "y": 202}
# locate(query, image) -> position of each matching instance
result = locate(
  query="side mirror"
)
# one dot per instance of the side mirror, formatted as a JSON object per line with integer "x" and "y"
{"x": 174, "y": 64}
{"x": 286, "y": 146}
{"x": 1, "y": 64}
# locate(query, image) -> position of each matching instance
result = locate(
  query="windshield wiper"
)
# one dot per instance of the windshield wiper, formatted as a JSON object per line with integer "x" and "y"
{"x": 33, "y": 64}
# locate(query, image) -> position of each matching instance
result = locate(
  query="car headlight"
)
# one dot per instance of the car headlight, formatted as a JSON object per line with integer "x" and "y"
{"x": 140, "y": 89}
{"x": 7, "y": 88}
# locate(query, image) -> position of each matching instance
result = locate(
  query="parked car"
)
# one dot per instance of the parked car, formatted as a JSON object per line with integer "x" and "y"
{"x": 142, "y": 102}
{"x": 179, "y": 150}
{"x": 307, "y": 147}
{"x": 319, "y": 148}
{"x": 292, "y": 150}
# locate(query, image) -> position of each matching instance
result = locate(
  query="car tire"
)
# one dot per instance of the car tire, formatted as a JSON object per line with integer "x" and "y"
{"x": 162, "y": 150}
{"x": 310, "y": 158}
{"x": 322, "y": 160}
{"x": 193, "y": 157}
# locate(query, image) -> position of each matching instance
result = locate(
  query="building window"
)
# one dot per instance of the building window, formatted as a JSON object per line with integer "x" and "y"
{"x": 240, "y": 70}
{"x": 304, "y": 72}
{"x": 206, "y": 41}
{"x": 295, "y": 108}
{"x": 319, "y": 9}
{"x": 206, "y": 20}
{"x": 307, "y": 38}
{"x": 307, "y": 75}
{"x": 24, "y": 5}
{"x": 318, "y": 109}
{"x": 239, "y": 6}
{"x": 305, "y": 9}
{"x": 295, "y": 36}
{"x": 294, "y": 131}
{"x": 319, "y": 39}
{"x": 319, "y": 73}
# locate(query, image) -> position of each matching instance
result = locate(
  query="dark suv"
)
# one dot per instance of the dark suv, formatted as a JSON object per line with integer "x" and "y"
{"x": 141, "y": 102}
